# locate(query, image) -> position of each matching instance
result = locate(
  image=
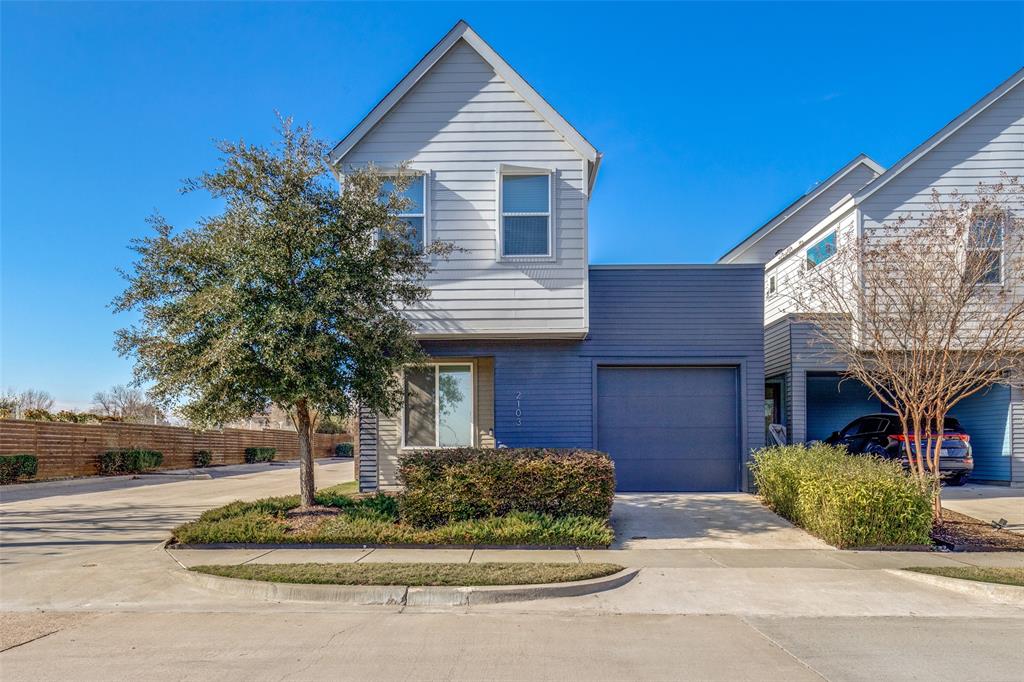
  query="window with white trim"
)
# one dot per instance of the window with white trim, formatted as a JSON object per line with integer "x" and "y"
{"x": 438, "y": 410}
{"x": 821, "y": 250}
{"x": 772, "y": 286}
{"x": 985, "y": 250}
{"x": 415, "y": 212}
{"x": 525, "y": 214}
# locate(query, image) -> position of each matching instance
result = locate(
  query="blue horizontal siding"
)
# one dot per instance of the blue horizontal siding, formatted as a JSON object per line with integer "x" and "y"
{"x": 986, "y": 417}
{"x": 636, "y": 315}
{"x": 832, "y": 403}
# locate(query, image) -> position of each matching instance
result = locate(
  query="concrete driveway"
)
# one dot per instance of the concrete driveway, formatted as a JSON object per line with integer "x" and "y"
{"x": 703, "y": 521}
{"x": 988, "y": 503}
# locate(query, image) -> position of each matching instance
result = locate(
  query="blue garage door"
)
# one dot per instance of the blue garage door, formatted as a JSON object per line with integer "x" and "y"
{"x": 670, "y": 428}
{"x": 833, "y": 403}
{"x": 986, "y": 417}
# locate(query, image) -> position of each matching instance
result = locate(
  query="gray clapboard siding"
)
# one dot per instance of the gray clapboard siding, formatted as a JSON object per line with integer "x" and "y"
{"x": 991, "y": 143}
{"x": 699, "y": 315}
{"x": 367, "y": 474}
{"x": 458, "y": 124}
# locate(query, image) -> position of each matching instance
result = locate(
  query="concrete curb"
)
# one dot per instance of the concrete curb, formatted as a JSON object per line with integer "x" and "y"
{"x": 1003, "y": 594}
{"x": 403, "y": 595}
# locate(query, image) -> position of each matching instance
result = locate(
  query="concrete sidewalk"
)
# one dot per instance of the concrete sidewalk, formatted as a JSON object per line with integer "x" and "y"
{"x": 630, "y": 558}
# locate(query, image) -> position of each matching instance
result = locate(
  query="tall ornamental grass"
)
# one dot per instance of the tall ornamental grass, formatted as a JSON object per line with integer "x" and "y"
{"x": 846, "y": 500}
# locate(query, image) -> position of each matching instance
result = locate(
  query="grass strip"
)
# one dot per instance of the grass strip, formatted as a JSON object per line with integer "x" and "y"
{"x": 415, "y": 574}
{"x": 981, "y": 574}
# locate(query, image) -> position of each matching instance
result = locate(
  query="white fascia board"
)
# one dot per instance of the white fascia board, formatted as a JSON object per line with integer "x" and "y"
{"x": 766, "y": 229}
{"x": 521, "y": 334}
{"x": 462, "y": 30}
{"x": 842, "y": 210}
{"x": 939, "y": 137}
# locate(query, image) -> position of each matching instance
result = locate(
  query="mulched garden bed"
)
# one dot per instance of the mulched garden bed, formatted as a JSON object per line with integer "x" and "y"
{"x": 968, "y": 534}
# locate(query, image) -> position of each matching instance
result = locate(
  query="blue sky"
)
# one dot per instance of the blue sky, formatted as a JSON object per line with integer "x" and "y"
{"x": 711, "y": 119}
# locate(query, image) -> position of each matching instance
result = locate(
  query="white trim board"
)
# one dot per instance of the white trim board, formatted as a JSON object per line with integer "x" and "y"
{"x": 766, "y": 229}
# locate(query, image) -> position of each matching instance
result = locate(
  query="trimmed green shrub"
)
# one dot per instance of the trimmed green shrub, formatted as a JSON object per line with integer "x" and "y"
{"x": 343, "y": 450}
{"x": 203, "y": 458}
{"x": 13, "y": 467}
{"x": 254, "y": 455}
{"x": 846, "y": 500}
{"x": 446, "y": 486}
{"x": 129, "y": 461}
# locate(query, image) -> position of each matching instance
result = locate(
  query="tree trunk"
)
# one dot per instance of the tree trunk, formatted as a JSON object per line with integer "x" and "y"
{"x": 304, "y": 427}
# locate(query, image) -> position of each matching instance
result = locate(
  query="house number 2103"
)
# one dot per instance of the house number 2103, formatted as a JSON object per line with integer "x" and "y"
{"x": 519, "y": 408}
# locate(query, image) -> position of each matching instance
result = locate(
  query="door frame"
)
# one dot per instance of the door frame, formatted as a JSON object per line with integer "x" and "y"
{"x": 739, "y": 364}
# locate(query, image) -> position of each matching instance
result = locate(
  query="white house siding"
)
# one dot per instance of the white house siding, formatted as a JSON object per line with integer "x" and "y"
{"x": 788, "y": 268}
{"x": 795, "y": 226}
{"x": 458, "y": 124}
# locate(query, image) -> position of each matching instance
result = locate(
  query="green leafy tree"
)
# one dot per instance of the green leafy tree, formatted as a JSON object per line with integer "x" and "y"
{"x": 293, "y": 295}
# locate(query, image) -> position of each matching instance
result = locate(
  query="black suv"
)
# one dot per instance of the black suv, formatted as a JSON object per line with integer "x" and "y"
{"x": 882, "y": 435}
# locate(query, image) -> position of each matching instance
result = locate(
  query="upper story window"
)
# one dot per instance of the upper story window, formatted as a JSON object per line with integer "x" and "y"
{"x": 821, "y": 250}
{"x": 772, "y": 287}
{"x": 414, "y": 214}
{"x": 985, "y": 250}
{"x": 526, "y": 214}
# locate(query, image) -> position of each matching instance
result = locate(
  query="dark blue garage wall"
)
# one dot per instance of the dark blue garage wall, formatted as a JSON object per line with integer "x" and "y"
{"x": 832, "y": 403}
{"x": 986, "y": 417}
{"x": 639, "y": 315}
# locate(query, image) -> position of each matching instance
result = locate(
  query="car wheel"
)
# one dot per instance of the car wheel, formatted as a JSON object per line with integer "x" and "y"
{"x": 876, "y": 451}
{"x": 957, "y": 480}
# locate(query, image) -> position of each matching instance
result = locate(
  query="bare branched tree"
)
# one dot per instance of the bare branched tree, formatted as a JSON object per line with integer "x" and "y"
{"x": 127, "y": 404}
{"x": 14, "y": 404}
{"x": 926, "y": 311}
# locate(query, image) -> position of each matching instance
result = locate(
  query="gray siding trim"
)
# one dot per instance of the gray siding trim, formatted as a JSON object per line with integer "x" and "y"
{"x": 367, "y": 474}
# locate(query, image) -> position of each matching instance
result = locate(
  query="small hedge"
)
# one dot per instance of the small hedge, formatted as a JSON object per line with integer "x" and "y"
{"x": 203, "y": 458}
{"x": 13, "y": 467}
{"x": 847, "y": 500}
{"x": 343, "y": 450}
{"x": 129, "y": 461}
{"x": 448, "y": 486}
{"x": 254, "y": 455}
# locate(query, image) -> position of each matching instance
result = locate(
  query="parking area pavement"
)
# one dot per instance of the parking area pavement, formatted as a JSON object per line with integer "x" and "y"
{"x": 988, "y": 503}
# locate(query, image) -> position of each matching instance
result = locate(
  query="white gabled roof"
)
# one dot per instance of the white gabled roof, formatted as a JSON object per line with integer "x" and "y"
{"x": 462, "y": 31}
{"x": 786, "y": 213}
{"x": 937, "y": 139}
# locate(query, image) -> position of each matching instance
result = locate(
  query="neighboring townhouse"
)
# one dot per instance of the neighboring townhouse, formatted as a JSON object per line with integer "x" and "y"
{"x": 803, "y": 390}
{"x": 661, "y": 366}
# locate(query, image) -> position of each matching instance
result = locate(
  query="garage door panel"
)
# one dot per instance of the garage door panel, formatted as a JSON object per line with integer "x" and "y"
{"x": 700, "y": 476}
{"x": 655, "y": 411}
{"x": 670, "y": 428}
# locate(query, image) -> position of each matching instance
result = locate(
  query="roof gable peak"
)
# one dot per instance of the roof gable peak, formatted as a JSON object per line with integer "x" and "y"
{"x": 463, "y": 31}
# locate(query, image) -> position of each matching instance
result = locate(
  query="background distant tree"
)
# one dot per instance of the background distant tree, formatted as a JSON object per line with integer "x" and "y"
{"x": 125, "y": 403}
{"x": 15, "y": 404}
{"x": 291, "y": 296}
{"x": 927, "y": 311}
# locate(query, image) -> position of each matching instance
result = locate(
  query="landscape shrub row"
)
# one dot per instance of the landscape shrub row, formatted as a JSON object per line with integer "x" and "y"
{"x": 13, "y": 467}
{"x": 846, "y": 500}
{"x": 254, "y": 455}
{"x": 131, "y": 461}
{"x": 447, "y": 486}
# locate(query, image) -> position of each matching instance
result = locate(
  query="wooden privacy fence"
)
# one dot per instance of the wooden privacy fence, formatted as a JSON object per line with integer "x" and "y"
{"x": 66, "y": 449}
